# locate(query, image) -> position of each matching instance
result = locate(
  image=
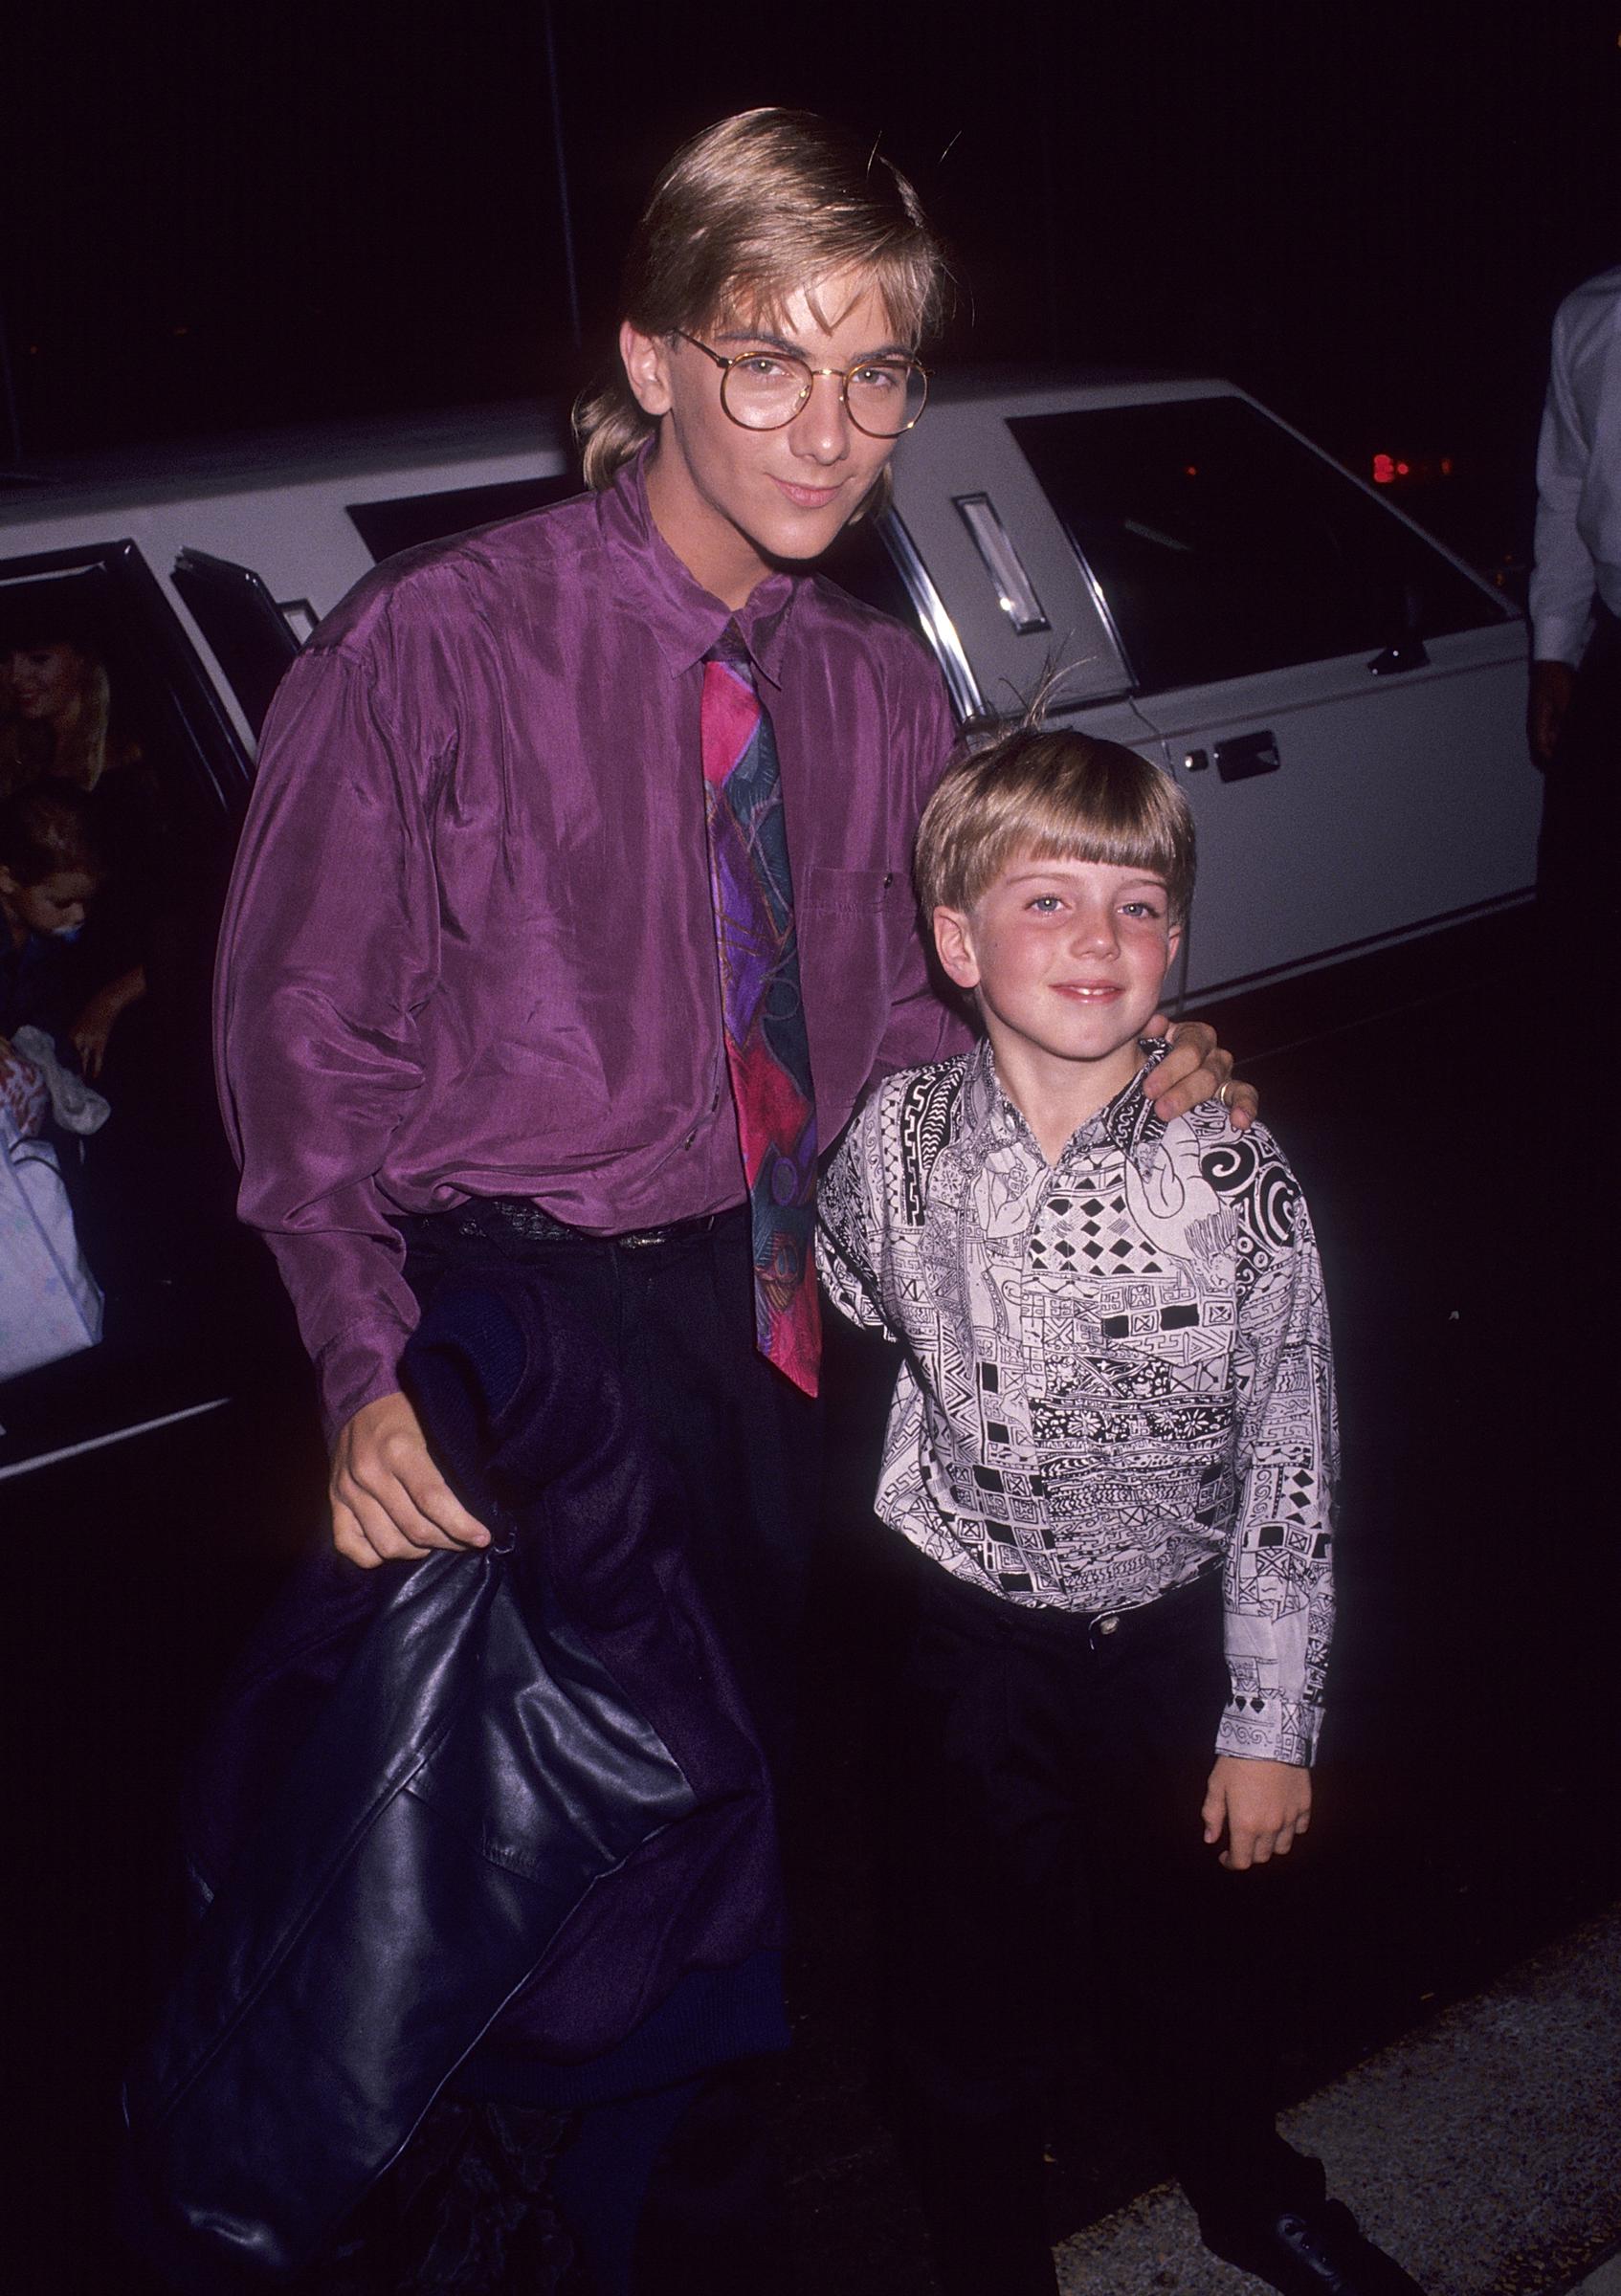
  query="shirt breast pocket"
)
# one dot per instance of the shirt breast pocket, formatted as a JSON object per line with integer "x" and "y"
{"x": 853, "y": 892}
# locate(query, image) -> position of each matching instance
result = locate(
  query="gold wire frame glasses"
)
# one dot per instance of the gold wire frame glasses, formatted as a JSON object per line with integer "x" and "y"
{"x": 764, "y": 391}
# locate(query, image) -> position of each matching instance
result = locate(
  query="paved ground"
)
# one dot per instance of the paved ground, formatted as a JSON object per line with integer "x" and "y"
{"x": 1466, "y": 1793}
{"x": 1484, "y": 2148}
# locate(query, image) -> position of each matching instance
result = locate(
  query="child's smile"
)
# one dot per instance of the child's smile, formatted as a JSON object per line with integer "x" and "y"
{"x": 1066, "y": 959}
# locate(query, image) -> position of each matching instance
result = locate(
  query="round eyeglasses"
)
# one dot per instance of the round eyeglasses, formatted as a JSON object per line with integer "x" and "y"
{"x": 764, "y": 391}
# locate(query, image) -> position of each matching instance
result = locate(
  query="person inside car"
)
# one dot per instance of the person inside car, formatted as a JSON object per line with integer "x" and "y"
{"x": 51, "y": 872}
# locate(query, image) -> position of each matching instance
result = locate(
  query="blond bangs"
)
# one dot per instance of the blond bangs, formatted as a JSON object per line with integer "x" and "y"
{"x": 1054, "y": 797}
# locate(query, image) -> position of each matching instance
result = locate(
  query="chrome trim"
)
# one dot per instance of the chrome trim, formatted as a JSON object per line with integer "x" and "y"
{"x": 100, "y": 1443}
{"x": 998, "y": 555}
{"x": 937, "y": 626}
{"x": 1105, "y": 612}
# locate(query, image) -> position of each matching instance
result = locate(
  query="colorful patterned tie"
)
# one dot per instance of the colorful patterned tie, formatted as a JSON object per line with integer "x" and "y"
{"x": 760, "y": 1007}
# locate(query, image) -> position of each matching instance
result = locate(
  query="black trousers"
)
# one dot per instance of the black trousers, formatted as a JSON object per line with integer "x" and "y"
{"x": 681, "y": 2195}
{"x": 1577, "y": 894}
{"x": 1057, "y": 1916}
{"x": 740, "y": 1442}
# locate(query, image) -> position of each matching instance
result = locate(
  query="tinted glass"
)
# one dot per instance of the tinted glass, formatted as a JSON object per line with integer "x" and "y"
{"x": 243, "y": 624}
{"x": 876, "y": 562}
{"x": 386, "y": 528}
{"x": 1224, "y": 547}
{"x": 859, "y": 562}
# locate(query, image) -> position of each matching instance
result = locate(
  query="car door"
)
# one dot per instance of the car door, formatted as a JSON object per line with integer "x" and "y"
{"x": 1341, "y": 701}
{"x": 150, "y": 1188}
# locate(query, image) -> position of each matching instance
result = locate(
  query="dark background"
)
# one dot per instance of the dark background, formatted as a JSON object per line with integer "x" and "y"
{"x": 239, "y": 215}
{"x": 243, "y": 215}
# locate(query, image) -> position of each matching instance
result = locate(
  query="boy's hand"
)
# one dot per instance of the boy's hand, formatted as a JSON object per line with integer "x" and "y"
{"x": 1196, "y": 1069}
{"x": 1261, "y": 1806}
{"x": 389, "y": 1502}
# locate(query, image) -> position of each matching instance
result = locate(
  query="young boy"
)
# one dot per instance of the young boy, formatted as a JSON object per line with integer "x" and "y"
{"x": 50, "y": 870}
{"x": 1112, "y": 1449}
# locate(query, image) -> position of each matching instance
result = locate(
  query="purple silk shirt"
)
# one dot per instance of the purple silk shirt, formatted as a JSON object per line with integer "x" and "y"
{"x": 469, "y": 948}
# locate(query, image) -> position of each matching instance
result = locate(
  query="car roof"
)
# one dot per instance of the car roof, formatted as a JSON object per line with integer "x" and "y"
{"x": 183, "y": 470}
{"x": 179, "y": 469}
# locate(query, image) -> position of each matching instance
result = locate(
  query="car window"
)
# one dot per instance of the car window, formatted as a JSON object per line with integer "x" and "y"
{"x": 248, "y": 633}
{"x": 113, "y": 740}
{"x": 405, "y": 520}
{"x": 876, "y": 560}
{"x": 1224, "y": 547}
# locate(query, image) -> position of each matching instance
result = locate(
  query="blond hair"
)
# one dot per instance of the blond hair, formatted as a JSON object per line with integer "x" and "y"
{"x": 74, "y": 747}
{"x": 754, "y": 209}
{"x": 1052, "y": 796}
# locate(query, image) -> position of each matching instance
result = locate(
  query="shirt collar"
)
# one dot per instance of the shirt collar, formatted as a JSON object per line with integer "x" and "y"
{"x": 1126, "y": 1122}
{"x": 684, "y": 618}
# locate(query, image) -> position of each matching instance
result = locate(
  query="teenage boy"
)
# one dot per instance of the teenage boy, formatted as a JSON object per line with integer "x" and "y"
{"x": 1111, "y": 1451}
{"x": 573, "y": 912}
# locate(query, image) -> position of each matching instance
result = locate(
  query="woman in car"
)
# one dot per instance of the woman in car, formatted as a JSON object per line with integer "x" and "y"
{"x": 59, "y": 724}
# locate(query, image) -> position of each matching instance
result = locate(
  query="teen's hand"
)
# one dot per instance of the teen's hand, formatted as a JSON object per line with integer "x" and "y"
{"x": 1552, "y": 685}
{"x": 1196, "y": 1069}
{"x": 389, "y": 1502}
{"x": 1261, "y": 1806}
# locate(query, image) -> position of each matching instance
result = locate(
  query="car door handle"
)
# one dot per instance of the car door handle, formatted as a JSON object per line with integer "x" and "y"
{"x": 1407, "y": 654}
{"x": 1247, "y": 754}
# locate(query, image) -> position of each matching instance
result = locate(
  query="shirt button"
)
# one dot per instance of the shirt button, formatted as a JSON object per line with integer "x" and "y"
{"x": 688, "y": 1141}
{"x": 1109, "y": 1625}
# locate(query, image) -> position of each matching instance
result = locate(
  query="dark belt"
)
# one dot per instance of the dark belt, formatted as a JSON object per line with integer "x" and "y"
{"x": 517, "y": 1216}
{"x": 979, "y": 1610}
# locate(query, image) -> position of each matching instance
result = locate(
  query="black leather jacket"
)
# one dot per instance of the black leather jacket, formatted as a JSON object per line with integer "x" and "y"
{"x": 513, "y": 1789}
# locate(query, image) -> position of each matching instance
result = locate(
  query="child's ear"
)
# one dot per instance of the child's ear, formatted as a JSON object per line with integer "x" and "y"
{"x": 953, "y": 940}
{"x": 647, "y": 363}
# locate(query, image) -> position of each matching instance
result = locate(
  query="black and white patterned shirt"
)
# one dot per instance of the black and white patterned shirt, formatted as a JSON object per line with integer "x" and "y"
{"x": 1117, "y": 1373}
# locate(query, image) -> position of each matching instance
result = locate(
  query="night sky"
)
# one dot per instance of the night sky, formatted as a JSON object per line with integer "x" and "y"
{"x": 234, "y": 216}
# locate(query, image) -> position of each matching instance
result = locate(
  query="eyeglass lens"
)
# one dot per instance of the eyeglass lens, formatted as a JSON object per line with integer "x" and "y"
{"x": 884, "y": 398}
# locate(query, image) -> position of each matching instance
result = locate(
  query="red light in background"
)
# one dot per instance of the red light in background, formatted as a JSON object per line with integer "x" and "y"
{"x": 1423, "y": 469}
{"x": 1191, "y": 470}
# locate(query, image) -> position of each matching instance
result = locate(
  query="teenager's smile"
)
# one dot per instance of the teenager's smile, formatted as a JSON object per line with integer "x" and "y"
{"x": 808, "y": 497}
{"x": 731, "y": 501}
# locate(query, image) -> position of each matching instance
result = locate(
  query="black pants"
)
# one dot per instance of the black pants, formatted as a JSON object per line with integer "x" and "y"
{"x": 1576, "y": 881}
{"x": 491, "y": 2187}
{"x": 1051, "y": 1882}
{"x": 741, "y": 1443}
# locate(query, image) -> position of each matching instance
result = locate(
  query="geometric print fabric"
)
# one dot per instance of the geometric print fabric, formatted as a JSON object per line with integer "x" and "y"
{"x": 1117, "y": 1372}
